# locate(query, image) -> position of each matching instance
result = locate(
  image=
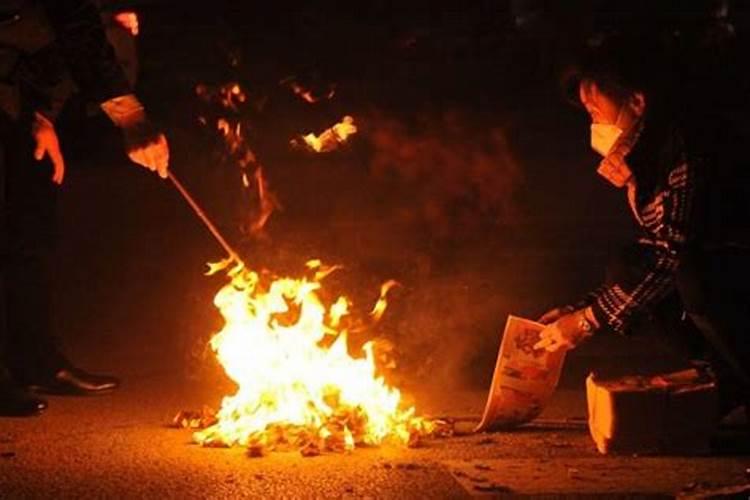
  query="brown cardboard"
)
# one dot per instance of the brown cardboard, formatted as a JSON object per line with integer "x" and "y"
{"x": 672, "y": 413}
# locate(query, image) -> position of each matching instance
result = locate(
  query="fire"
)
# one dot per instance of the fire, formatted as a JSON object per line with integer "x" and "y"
{"x": 287, "y": 350}
{"x": 298, "y": 385}
{"x": 331, "y": 138}
{"x": 380, "y": 305}
{"x": 264, "y": 202}
{"x": 229, "y": 96}
{"x": 267, "y": 201}
{"x": 306, "y": 94}
{"x": 129, "y": 21}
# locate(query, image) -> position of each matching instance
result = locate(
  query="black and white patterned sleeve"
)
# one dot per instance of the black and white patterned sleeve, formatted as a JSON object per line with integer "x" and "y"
{"x": 667, "y": 219}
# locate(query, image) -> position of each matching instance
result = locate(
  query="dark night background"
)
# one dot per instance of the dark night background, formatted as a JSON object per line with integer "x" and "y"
{"x": 470, "y": 181}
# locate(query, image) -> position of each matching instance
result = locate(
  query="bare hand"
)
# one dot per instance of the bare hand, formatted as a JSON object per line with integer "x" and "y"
{"x": 147, "y": 147}
{"x": 554, "y": 314}
{"x": 144, "y": 144}
{"x": 47, "y": 144}
{"x": 565, "y": 333}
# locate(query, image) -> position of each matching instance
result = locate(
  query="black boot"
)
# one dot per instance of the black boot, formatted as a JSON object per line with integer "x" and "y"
{"x": 72, "y": 381}
{"x": 15, "y": 401}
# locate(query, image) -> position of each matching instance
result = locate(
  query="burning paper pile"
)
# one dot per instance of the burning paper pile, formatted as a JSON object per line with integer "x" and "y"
{"x": 187, "y": 419}
{"x": 298, "y": 386}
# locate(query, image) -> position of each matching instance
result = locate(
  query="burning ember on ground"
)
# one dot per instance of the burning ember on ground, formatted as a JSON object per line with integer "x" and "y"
{"x": 331, "y": 138}
{"x": 298, "y": 385}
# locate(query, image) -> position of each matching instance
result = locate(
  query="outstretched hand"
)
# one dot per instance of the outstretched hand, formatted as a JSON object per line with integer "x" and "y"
{"x": 565, "y": 333}
{"x": 147, "y": 146}
{"x": 144, "y": 143}
{"x": 554, "y": 314}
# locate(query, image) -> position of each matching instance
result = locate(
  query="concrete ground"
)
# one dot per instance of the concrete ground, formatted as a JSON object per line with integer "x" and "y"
{"x": 119, "y": 446}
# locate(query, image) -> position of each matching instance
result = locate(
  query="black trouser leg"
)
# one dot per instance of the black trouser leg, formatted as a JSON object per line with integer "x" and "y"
{"x": 29, "y": 201}
{"x": 706, "y": 317}
{"x": 715, "y": 291}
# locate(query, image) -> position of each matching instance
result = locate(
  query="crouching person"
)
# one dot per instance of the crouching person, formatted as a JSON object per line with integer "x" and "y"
{"x": 689, "y": 192}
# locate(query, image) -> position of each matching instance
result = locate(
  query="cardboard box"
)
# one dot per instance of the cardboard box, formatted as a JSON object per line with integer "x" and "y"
{"x": 671, "y": 413}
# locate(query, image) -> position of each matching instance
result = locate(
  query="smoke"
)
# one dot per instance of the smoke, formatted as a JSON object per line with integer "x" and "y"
{"x": 440, "y": 188}
{"x": 453, "y": 172}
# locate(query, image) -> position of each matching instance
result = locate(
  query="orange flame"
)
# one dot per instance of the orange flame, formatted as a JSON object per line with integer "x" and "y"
{"x": 286, "y": 349}
{"x": 129, "y": 21}
{"x": 307, "y": 95}
{"x": 330, "y": 139}
{"x": 215, "y": 267}
{"x": 321, "y": 271}
{"x": 289, "y": 380}
{"x": 252, "y": 176}
{"x": 382, "y": 303}
{"x": 228, "y": 96}
{"x": 267, "y": 201}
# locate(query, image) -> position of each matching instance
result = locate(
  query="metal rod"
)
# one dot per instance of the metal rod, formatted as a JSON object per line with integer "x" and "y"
{"x": 202, "y": 216}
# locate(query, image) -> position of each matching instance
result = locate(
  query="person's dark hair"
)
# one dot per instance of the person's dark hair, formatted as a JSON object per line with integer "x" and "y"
{"x": 619, "y": 65}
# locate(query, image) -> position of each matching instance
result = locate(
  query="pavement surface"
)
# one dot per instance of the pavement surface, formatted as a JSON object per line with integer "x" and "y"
{"x": 119, "y": 446}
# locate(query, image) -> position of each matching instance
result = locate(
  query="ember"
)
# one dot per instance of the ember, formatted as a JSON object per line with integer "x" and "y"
{"x": 231, "y": 97}
{"x": 307, "y": 94}
{"x": 298, "y": 386}
{"x": 330, "y": 139}
{"x": 189, "y": 419}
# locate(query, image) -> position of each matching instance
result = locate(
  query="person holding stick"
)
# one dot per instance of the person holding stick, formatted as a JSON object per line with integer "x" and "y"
{"x": 41, "y": 43}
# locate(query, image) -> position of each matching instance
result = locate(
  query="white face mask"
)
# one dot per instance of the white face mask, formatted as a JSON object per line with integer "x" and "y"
{"x": 604, "y": 136}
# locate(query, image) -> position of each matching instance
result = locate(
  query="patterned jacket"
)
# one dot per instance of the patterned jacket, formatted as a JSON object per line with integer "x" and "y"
{"x": 45, "y": 46}
{"x": 683, "y": 198}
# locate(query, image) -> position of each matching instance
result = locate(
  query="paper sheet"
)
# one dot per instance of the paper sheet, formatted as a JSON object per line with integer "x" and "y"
{"x": 524, "y": 378}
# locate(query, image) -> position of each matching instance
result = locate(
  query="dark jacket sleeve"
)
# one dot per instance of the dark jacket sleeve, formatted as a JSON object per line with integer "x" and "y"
{"x": 84, "y": 46}
{"x": 671, "y": 220}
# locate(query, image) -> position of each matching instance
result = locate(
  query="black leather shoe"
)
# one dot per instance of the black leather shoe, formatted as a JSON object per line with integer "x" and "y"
{"x": 16, "y": 402}
{"x": 71, "y": 381}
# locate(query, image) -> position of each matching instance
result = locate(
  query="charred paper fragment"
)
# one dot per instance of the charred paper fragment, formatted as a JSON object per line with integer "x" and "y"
{"x": 194, "y": 419}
